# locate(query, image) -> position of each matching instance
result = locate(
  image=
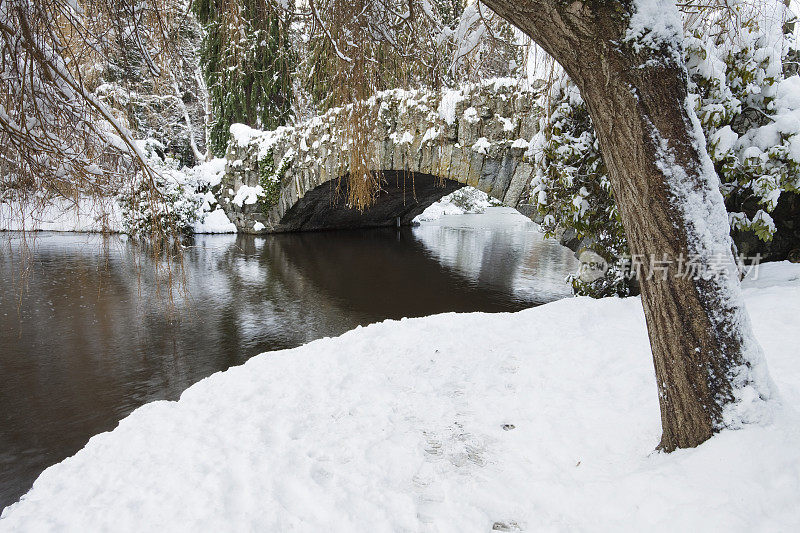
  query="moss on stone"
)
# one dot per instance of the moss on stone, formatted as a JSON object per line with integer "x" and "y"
{"x": 271, "y": 180}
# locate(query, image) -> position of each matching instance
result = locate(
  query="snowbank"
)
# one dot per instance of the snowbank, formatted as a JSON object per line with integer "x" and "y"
{"x": 87, "y": 215}
{"x": 540, "y": 420}
{"x": 464, "y": 200}
{"x": 215, "y": 221}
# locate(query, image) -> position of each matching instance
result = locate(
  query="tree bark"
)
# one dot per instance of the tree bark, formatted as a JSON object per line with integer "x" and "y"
{"x": 708, "y": 366}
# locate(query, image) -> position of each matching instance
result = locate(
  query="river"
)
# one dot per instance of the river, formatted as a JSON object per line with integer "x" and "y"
{"x": 89, "y": 340}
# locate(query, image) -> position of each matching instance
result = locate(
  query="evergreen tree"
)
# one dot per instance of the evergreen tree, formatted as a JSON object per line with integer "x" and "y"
{"x": 247, "y": 61}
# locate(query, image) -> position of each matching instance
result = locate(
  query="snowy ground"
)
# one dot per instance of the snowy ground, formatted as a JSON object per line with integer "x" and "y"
{"x": 87, "y": 215}
{"x": 542, "y": 420}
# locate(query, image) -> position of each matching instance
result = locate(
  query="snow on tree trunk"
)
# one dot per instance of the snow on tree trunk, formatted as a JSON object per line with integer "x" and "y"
{"x": 625, "y": 57}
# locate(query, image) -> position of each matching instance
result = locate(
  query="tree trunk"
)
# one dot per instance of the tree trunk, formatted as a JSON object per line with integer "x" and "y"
{"x": 709, "y": 369}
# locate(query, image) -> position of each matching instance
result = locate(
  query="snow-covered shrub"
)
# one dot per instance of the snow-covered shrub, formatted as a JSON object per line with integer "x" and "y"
{"x": 750, "y": 113}
{"x": 176, "y": 206}
{"x": 749, "y": 108}
{"x": 572, "y": 190}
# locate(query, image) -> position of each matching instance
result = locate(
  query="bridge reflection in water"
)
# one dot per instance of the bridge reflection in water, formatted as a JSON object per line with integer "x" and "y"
{"x": 86, "y": 348}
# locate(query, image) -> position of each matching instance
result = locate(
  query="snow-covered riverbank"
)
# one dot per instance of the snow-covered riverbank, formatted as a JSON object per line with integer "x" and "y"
{"x": 544, "y": 419}
{"x": 94, "y": 215}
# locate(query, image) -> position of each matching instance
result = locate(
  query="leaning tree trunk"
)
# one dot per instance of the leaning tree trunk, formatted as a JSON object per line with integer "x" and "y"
{"x": 709, "y": 368}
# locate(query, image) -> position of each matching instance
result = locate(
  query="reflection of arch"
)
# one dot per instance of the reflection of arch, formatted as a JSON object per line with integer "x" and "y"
{"x": 384, "y": 273}
{"x": 477, "y": 137}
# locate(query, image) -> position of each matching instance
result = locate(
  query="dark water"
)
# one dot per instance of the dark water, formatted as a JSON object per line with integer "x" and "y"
{"x": 89, "y": 341}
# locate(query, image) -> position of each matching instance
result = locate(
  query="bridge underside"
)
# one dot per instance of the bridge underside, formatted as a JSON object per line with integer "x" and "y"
{"x": 403, "y": 195}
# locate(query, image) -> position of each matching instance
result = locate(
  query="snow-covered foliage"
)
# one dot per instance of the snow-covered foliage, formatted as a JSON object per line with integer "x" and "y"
{"x": 484, "y": 45}
{"x": 746, "y": 97}
{"x": 56, "y": 137}
{"x": 85, "y": 80}
{"x": 173, "y": 210}
{"x": 749, "y": 110}
{"x": 171, "y": 107}
{"x": 248, "y": 58}
{"x": 571, "y": 188}
{"x": 184, "y": 200}
{"x": 206, "y": 179}
{"x": 190, "y": 188}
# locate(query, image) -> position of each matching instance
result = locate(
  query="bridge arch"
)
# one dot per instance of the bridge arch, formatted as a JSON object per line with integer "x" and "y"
{"x": 425, "y": 145}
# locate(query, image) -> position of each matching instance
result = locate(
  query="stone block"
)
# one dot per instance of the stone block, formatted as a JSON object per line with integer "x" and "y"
{"x": 523, "y": 173}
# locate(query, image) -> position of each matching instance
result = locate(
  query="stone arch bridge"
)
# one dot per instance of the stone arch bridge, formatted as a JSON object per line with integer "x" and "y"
{"x": 425, "y": 145}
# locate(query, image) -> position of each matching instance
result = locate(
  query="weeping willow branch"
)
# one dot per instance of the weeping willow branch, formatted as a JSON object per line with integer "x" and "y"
{"x": 57, "y": 137}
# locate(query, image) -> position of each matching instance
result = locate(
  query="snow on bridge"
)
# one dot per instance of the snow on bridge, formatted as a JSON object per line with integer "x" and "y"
{"x": 425, "y": 145}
